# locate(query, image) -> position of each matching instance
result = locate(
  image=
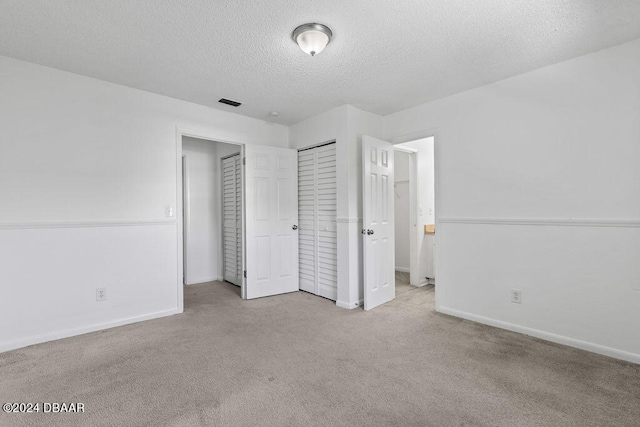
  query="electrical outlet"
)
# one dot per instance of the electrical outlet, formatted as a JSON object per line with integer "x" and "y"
{"x": 101, "y": 294}
{"x": 516, "y": 296}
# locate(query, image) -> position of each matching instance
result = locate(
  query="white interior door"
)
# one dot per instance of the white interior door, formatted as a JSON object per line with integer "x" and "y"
{"x": 378, "y": 222}
{"x": 232, "y": 218}
{"x": 307, "y": 213}
{"x": 271, "y": 215}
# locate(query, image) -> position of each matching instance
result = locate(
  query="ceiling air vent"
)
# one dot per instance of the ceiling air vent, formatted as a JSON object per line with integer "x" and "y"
{"x": 230, "y": 102}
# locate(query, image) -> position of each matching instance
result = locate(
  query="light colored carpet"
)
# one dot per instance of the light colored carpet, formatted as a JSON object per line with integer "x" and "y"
{"x": 297, "y": 359}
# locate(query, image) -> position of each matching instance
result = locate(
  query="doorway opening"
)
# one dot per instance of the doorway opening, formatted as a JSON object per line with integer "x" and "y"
{"x": 414, "y": 205}
{"x": 268, "y": 217}
{"x": 211, "y": 212}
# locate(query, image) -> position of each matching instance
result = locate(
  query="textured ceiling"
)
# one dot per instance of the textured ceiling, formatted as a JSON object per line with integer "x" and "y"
{"x": 385, "y": 55}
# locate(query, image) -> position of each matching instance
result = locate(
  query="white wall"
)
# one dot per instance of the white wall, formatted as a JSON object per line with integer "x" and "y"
{"x": 402, "y": 216}
{"x": 202, "y": 206}
{"x": 537, "y": 184}
{"x": 86, "y": 170}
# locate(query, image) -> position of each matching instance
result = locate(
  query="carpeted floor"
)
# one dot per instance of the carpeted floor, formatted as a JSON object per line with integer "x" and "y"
{"x": 297, "y": 359}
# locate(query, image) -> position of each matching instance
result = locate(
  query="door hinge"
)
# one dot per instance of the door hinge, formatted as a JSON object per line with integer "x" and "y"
{"x": 244, "y": 160}
{"x": 245, "y": 274}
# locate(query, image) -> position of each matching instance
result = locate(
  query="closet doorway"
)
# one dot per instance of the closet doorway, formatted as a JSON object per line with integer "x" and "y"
{"x": 317, "y": 200}
{"x": 212, "y": 211}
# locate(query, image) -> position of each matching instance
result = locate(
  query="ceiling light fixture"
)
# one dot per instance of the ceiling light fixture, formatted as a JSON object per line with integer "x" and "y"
{"x": 312, "y": 38}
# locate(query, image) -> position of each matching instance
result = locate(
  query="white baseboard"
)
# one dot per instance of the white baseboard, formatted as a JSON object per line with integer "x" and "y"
{"x": 421, "y": 283}
{"x": 403, "y": 269}
{"x": 202, "y": 280}
{"x": 559, "y": 339}
{"x": 51, "y": 336}
{"x": 343, "y": 304}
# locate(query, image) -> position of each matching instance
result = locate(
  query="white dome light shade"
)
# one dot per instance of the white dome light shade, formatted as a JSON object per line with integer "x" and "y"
{"x": 312, "y": 42}
{"x": 312, "y": 38}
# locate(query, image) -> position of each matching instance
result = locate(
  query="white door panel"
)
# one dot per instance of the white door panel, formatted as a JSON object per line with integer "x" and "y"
{"x": 271, "y": 184}
{"x": 378, "y": 222}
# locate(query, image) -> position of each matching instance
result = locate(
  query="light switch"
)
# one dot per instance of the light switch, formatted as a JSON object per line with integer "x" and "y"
{"x": 168, "y": 211}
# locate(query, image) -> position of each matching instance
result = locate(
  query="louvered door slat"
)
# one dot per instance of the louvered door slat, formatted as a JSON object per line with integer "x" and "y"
{"x": 317, "y": 194}
{"x": 232, "y": 219}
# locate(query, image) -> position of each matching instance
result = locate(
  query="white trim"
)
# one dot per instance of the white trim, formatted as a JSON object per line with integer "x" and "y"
{"x": 560, "y": 339}
{"x": 180, "y": 276}
{"x": 414, "y": 136}
{"x": 37, "y": 339}
{"x": 557, "y": 222}
{"x": 414, "y": 214}
{"x": 403, "y": 269}
{"x": 343, "y": 304}
{"x": 344, "y": 220}
{"x": 202, "y": 280}
{"x": 320, "y": 144}
{"x": 197, "y": 134}
{"x": 186, "y": 216}
{"x": 85, "y": 224}
{"x": 406, "y": 149}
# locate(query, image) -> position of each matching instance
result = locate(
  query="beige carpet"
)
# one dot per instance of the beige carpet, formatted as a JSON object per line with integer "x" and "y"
{"x": 297, "y": 359}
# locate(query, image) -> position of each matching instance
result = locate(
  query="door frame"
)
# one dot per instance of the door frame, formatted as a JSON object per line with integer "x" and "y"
{"x": 207, "y": 136}
{"x": 440, "y": 239}
{"x": 186, "y": 215}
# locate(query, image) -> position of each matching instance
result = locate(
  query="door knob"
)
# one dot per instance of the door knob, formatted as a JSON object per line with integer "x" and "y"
{"x": 369, "y": 232}
{"x": 294, "y": 227}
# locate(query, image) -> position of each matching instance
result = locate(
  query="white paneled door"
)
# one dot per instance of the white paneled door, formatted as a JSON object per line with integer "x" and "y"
{"x": 271, "y": 215}
{"x": 378, "y": 222}
{"x": 232, "y": 218}
{"x": 317, "y": 215}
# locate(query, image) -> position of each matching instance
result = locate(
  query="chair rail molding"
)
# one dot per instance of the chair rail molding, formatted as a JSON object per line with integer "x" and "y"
{"x": 84, "y": 224}
{"x": 553, "y": 222}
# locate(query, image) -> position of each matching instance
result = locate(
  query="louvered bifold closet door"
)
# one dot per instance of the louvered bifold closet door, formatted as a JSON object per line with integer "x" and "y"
{"x": 232, "y": 219}
{"x": 238, "y": 219}
{"x": 317, "y": 220}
